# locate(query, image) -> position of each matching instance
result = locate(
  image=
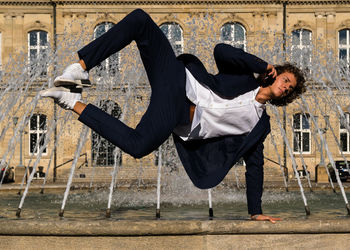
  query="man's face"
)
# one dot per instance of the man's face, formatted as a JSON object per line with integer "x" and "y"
{"x": 284, "y": 84}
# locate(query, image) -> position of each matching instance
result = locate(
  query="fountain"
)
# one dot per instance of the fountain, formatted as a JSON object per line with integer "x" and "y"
{"x": 130, "y": 211}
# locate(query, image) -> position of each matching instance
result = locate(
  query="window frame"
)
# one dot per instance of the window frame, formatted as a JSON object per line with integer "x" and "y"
{"x": 232, "y": 42}
{"x": 346, "y": 46}
{"x": 173, "y": 42}
{"x": 300, "y": 46}
{"x": 38, "y": 49}
{"x": 302, "y": 131}
{"x": 344, "y": 131}
{"x": 96, "y": 138}
{"x": 38, "y": 133}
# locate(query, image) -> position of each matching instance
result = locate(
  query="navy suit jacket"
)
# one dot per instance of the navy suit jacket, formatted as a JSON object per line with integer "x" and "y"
{"x": 208, "y": 161}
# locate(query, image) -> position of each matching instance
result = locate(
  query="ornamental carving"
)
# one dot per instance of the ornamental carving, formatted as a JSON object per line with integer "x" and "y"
{"x": 37, "y": 25}
{"x": 345, "y": 24}
{"x": 320, "y": 15}
{"x": 301, "y": 25}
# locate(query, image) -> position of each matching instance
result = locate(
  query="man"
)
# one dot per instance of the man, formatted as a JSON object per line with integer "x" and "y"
{"x": 215, "y": 119}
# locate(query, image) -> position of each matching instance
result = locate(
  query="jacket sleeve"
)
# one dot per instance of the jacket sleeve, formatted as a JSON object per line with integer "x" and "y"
{"x": 230, "y": 59}
{"x": 254, "y": 160}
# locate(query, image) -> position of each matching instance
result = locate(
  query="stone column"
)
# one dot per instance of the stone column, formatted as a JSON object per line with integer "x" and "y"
{"x": 7, "y": 38}
{"x": 321, "y": 28}
{"x": 331, "y": 32}
{"x": 18, "y": 34}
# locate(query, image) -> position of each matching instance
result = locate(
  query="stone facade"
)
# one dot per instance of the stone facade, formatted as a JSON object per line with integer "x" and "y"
{"x": 262, "y": 21}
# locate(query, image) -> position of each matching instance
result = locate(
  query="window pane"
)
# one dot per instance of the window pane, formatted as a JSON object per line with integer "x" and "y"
{"x": 43, "y": 38}
{"x": 100, "y": 30}
{"x": 164, "y": 28}
{"x": 42, "y": 139}
{"x": 33, "y": 39}
{"x": 296, "y": 37}
{"x": 101, "y": 148}
{"x": 343, "y": 142}
{"x": 342, "y": 121}
{"x": 226, "y": 32}
{"x": 110, "y": 157}
{"x": 33, "y": 54}
{"x": 33, "y": 122}
{"x": 342, "y": 37}
{"x": 109, "y": 25}
{"x": 296, "y": 54}
{"x": 306, "y": 124}
{"x": 306, "y": 142}
{"x": 239, "y": 33}
{"x": 306, "y": 37}
{"x": 43, "y": 54}
{"x": 296, "y": 144}
{"x": 306, "y": 58}
{"x": 42, "y": 122}
{"x": 296, "y": 121}
{"x": 342, "y": 54}
{"x": 176, "y": 33}
{"x": 33, "y": 139}
{"x": 178, "y": 49}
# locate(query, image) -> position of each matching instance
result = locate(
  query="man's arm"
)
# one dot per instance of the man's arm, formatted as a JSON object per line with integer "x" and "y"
{"x": 230, "y": 59}
{"x": 254, "y": 160}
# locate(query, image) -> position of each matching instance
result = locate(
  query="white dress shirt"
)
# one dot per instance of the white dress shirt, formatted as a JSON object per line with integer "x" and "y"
{"x": 216, "y": 116}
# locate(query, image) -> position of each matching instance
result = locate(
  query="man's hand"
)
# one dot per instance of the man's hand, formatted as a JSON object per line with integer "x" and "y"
{"x": 272, "y": 70}
{"x": 261, "y": 217}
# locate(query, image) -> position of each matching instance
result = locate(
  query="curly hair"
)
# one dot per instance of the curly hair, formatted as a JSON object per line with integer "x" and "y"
{"x": 298, "y": 90}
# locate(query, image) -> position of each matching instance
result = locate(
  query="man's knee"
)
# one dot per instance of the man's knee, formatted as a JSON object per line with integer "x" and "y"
{"x": 141, "y": 15}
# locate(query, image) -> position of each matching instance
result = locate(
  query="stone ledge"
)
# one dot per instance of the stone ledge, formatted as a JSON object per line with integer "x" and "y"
{"x": 168, "y": 227}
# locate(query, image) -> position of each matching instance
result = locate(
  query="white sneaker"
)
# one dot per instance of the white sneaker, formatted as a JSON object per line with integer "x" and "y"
{"x": 73, "y": 75}
{"x": 66, "y": 98}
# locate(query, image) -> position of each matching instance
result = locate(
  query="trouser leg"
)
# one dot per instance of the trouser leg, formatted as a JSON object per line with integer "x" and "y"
{"x": 156, "y": 52}
{"x": 166, "y": 76}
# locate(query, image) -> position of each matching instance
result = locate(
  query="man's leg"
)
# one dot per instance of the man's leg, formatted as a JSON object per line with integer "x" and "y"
{"x": 137, "y": 26}
{"x": 166, "y": 76}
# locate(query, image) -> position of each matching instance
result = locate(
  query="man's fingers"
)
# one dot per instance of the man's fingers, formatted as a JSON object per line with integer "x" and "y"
{"x": 266, "y": 218}
{"x": 273, "y": 73}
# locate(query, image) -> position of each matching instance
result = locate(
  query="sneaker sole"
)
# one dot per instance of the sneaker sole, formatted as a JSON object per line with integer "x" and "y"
{"x": 73, "y": 83}
{"x": 71, "y": 90}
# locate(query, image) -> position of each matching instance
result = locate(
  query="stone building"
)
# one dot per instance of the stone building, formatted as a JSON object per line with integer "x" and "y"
{"x": 28, "y": 29}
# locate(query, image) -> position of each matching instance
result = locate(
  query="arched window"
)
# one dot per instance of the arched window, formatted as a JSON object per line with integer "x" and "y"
{"x": 301, "y": 127}
{"x": 174, "y": 34}
{"x": 344, "y": 47}
{"x": 37, "y": 133}
{"x": 344, "y": 133}
{"x": 111, "y": 64}
{"x": 234, "y": 34}
{"x": 302, "y": 47}
{"x": 102, "y": 150}
{"x": 37, "y": 52}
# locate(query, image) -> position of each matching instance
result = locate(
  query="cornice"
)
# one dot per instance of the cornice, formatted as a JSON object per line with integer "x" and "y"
{"x": 173, "y": 2}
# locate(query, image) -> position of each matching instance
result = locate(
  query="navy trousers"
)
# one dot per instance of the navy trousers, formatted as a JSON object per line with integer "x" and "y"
{"x": 168, "y": 106}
